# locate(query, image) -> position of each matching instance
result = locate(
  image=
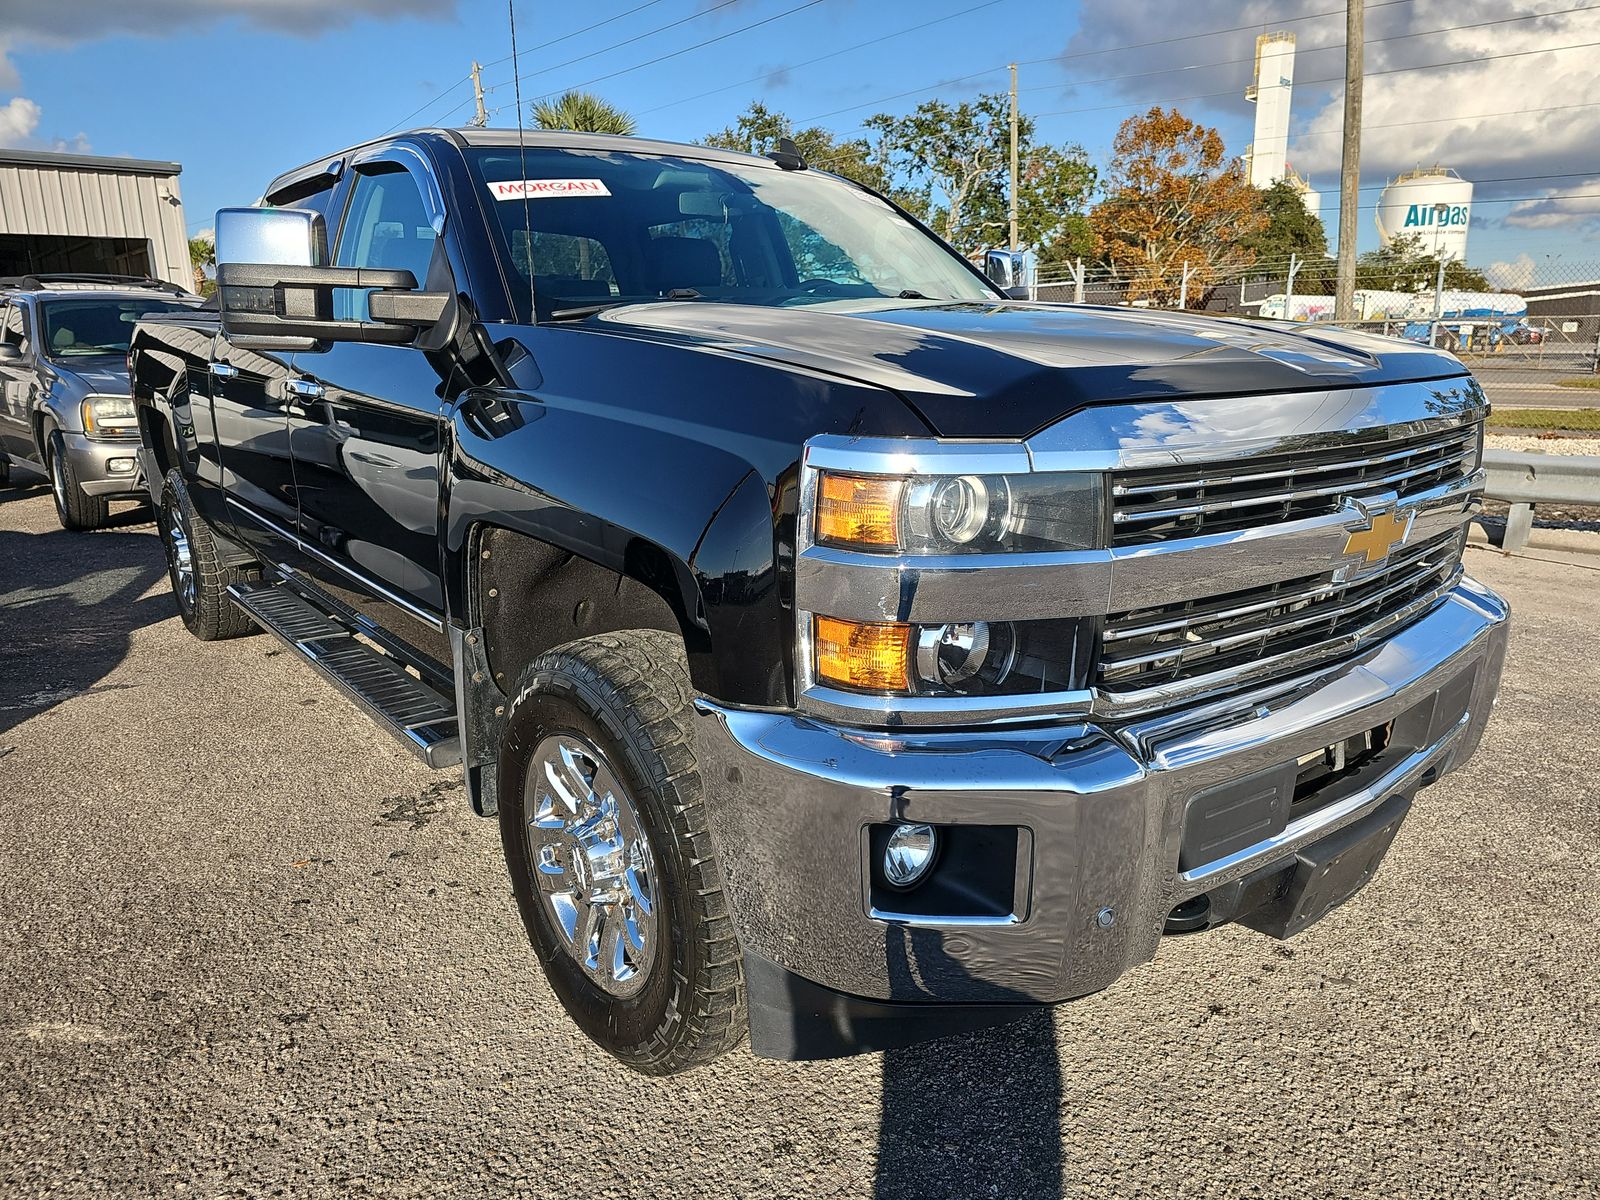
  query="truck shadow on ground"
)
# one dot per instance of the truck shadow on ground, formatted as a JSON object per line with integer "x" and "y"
{"x": 977, "y": 1114}
{"x": 69, "y": 604}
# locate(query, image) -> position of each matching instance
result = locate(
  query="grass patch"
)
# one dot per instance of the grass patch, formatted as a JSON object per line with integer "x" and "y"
{"x": 1585, "y": 381}
{"x": 1574, "y": 419}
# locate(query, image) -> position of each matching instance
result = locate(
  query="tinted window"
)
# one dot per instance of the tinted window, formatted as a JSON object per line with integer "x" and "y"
{"x": 11, "y": 325}
{"x": 386, "y": 226}
{"x": 74, "y": 328}
{"x": 747, "y": 233}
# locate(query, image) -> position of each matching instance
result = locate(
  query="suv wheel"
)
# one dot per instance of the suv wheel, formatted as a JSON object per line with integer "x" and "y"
{"x": 603, "y": 823}
{"x": 199, "y": 578}
{"x": 75, "y": 508}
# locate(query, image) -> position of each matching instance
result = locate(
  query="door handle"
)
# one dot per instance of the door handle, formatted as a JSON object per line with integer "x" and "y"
{"x": 224, "y": 370}
{"x": 303, "y": 391}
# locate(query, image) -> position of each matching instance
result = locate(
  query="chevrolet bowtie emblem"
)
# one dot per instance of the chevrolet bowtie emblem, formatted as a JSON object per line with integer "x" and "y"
{"x": 1387, "y": 531}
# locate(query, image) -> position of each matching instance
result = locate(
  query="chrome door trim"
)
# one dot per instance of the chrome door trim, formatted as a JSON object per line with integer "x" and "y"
{"x": 410, "y": 608}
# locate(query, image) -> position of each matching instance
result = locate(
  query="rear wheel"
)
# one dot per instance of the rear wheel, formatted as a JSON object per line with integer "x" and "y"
{"x": 603, "y": 823}
{"x": 199, "y": 577}
{"x": 75, "y": 508}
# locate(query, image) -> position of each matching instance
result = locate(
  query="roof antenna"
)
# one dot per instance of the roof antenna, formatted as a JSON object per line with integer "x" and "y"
{"x": 522, "y": 156}
{"x": 787, "y": 155}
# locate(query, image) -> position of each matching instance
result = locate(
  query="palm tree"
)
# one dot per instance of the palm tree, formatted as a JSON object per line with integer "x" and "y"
{"x": 581, "y": 111}
{"x": 202, "y": 254}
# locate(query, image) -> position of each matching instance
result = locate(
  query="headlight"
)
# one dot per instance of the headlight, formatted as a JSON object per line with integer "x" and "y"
{"x": 98, "y": 410}
{"x": 959, "y": 514}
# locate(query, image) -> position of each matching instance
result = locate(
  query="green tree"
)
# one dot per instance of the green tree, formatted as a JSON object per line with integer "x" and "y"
{"x": 958, "y": 154}
{"x": 1406, "y": 265}
{"x": 1292, "y": 229}
{"x": 758, "y": 128}
{"x": 202, "y": 258}
{"x": 581, "y": 111}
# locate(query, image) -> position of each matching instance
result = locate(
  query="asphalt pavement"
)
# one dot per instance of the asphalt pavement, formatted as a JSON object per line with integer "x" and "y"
{"x": 250, "y": 947}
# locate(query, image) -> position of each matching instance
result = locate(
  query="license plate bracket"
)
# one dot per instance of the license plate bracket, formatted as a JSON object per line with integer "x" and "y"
{"x": 1325, "y": 874}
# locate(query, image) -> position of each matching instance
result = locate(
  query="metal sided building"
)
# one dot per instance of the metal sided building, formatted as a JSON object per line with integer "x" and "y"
{"x": 83, "y": 213}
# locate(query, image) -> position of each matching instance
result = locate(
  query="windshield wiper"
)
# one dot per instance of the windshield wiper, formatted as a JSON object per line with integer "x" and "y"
{"x": 587, "y": 310}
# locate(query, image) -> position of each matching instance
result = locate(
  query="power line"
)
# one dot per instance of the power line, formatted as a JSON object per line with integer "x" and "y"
{"x": 1505, "y": 112}
{"x": 810, "y": 62}
{"x": 428, "y": 104}
{"x": 638, "y": 37}
{"x": 1031, "y": 62}
{"x": 566, "y": 37}
{"x": 1454, "y": 62}
{"x": 1232, "y": 62}
{"x": 660, "y": 58}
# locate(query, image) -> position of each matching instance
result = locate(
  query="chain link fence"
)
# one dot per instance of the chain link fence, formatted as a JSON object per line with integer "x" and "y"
{"x": 1533, "y": 343}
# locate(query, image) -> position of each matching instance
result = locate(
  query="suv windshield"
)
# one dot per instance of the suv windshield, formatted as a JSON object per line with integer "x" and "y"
{"x": 77, "y": 328}
{"x": 597, "y": 227}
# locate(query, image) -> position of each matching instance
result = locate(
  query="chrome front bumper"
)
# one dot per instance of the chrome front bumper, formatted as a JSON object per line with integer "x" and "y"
{"x": 1100, "y": 812}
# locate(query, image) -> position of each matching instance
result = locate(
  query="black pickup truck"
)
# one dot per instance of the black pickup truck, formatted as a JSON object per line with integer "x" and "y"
{"x": 851, "y": 653}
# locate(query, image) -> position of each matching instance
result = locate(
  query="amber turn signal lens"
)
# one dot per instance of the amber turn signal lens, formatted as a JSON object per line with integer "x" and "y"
{"x": 854, "y": 510}
{"x": 868, "y": 657}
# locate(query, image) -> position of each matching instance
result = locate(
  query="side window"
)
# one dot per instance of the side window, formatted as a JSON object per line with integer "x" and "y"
{"x": 385, "y": 226}
{"x": 11, "y": 326}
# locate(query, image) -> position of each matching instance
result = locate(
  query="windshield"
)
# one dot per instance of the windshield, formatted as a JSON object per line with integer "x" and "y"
{"x": 600, "y": 227}
{"x": 78, "y": 328}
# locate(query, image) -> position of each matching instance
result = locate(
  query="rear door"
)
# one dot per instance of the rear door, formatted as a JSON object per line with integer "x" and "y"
{"x": 366, "y": 440}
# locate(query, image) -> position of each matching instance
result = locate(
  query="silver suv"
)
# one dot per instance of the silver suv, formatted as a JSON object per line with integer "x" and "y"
{"x": 64, "y": 403}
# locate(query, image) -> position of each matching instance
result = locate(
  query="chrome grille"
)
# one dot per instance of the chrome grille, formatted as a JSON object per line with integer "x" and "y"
{"x": 1284, "y": 628}
{"x": 1159, "y": 504}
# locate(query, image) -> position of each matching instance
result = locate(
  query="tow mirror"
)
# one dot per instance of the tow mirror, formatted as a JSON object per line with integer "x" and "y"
{"x": 276, "y": 293}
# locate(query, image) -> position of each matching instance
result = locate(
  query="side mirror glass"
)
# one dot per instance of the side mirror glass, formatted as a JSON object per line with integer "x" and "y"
{"x": 281, "y": 237}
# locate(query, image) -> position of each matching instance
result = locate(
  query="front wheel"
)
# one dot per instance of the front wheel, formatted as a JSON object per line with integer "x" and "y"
{"x": 199, "y": 577}
{"x": 75, "y": 508}
{"x": 603, "y": 823}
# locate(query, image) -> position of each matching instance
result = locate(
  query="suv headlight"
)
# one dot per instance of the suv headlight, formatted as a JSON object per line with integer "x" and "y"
{"x": 99, "y": 412}
{"x": 958, "y": 514}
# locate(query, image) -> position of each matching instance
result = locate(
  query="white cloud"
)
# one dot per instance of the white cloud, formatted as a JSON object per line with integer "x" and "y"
{"x": 1527, "y": 117}
{"x": 1513, "y": 276}
{"x": 18, "y": 119}
{"x": 53, "y": 24}
{"x": 1574, "y": 205}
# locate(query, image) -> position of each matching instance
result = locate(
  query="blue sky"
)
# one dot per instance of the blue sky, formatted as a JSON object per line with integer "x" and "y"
{"x": 281, "y": 81}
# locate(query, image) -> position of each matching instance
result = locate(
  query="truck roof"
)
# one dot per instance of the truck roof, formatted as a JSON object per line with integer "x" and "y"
{"x": 545, "y": 139}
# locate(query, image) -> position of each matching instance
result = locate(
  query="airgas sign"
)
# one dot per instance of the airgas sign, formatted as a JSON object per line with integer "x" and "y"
{"x": 1431, "y": 208}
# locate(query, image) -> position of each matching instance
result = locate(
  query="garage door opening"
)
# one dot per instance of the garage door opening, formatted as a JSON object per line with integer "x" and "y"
{"x": 35, "y": 254}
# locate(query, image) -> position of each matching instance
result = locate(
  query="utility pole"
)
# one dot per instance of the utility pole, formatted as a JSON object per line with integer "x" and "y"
{"x": 479, "y": 118}
{"x": 1344, "y": 295}
{"x": 1013, "y": 158}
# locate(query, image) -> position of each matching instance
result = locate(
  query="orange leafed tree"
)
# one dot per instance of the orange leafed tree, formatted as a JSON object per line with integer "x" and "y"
{"x": 1173, "y": 196}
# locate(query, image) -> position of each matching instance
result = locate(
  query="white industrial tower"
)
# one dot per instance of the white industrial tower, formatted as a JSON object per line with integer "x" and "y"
{"x": 1267, "y": 158}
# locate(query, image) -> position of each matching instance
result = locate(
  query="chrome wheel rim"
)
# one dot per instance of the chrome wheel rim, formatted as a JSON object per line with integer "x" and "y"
{"x": 182, "y": 559}
{"x": 58, "y": 484}
{"x": 595, "y": 871}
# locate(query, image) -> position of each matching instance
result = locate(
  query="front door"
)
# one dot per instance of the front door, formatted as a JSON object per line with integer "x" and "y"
{"x": 250, "y": 409}
{"x": 366, "y": 430}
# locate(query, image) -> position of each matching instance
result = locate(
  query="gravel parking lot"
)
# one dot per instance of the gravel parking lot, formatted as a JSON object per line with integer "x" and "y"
{"x": 249, "y": 947}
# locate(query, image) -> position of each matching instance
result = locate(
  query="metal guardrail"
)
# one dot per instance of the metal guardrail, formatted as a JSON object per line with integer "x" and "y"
{"x": 1527, "y": 480}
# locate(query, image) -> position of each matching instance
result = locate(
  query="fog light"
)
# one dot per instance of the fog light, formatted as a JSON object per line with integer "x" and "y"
{"x": 120, "y": 466}
{"x": 909, "y": 854}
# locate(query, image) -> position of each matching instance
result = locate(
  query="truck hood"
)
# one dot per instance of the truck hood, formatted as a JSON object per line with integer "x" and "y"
{"x": 1009, "y": 369}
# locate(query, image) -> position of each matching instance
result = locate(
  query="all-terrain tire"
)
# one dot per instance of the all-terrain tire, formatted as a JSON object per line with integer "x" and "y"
{"x": 199, "y": 577}
{"x": 75, "y": 508}
{"x": 628, "y": 695}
